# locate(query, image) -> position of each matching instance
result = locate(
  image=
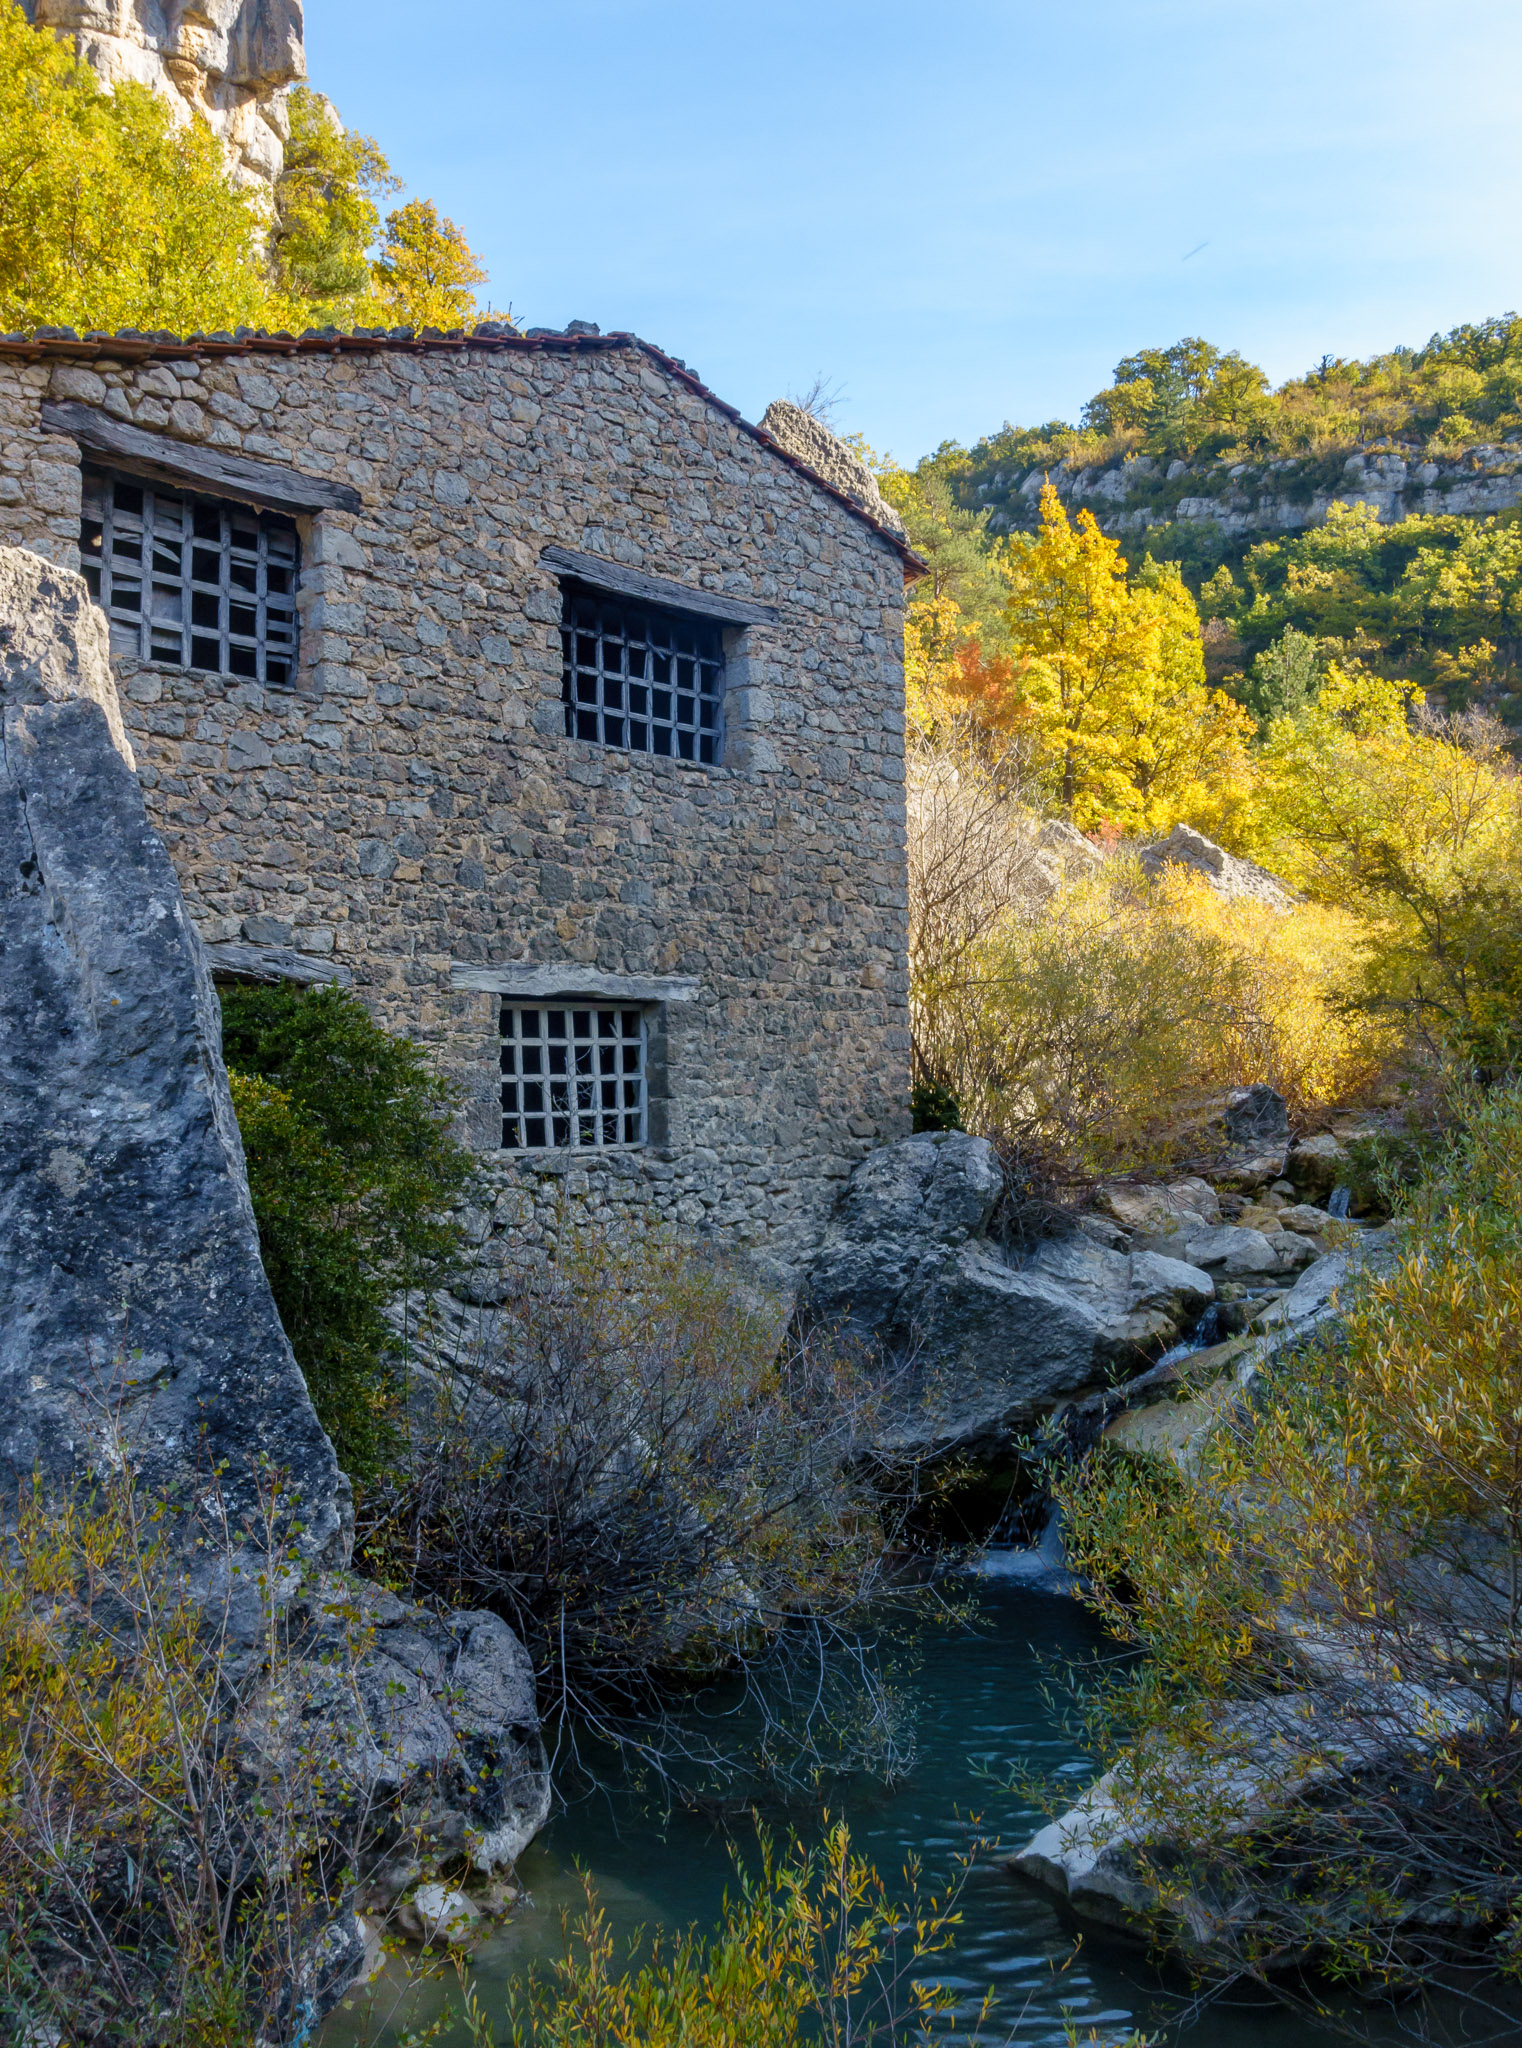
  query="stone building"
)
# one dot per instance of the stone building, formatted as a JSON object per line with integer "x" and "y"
{"x": 520, "y": 682}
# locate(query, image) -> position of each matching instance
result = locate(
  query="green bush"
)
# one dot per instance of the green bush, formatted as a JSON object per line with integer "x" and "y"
{"x": 353, "y": 1166}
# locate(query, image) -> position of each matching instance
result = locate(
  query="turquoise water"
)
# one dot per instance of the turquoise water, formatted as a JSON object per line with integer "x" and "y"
{"x": 979, "y": 1708}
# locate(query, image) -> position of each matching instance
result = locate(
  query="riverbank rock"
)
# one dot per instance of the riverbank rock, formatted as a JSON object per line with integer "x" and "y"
{"x": 134, "y": 1311}
{"x": 987, "y": 1338}
{"x": 427, "y": 1721}
{"x": 1227, "y": 873}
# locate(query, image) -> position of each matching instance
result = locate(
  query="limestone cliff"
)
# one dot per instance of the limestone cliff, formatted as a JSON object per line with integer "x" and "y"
{"x": 230, "y": 61}
{"x": 1260, "y": 500}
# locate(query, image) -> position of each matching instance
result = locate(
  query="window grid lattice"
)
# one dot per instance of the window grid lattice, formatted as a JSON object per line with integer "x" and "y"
{"x": 191, "y": 580}
{"x": 645, "y": 680}
{"x": 572, "y": 1076}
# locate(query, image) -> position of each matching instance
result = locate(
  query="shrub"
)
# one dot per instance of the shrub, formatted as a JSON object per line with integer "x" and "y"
{"x": 1331, "y": 1602}
{"x": 812, "y": 1948}
{"x": 167, "y": 1884}
{"x": 352, "y": 1165}
{"x": 631, "y": 1466}
{"x": 1095, "y": 1030}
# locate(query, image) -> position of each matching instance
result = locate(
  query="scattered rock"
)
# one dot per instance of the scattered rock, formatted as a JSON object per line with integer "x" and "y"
{"x": 1304, "y": 1217}
{"x": 437, "y": 1913}
{"x": 1316, "y": 1165}
{"x": 1232, "y": 1250}
{"x": 1227, "y": 873}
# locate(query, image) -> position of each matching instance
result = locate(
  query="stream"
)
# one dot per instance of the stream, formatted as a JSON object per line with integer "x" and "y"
{"x": 980, "y": 1707}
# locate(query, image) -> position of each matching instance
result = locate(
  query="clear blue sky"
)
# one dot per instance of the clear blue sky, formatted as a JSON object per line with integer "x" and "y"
{"x": 960, "y": 211}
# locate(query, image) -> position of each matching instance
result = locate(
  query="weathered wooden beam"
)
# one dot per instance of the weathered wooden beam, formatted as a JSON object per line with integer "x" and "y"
{"x": 188, "y": 463}
{"x": 275, "y": 963}
{"x": 682, "y": 597}
{"x": 573, "y": 983}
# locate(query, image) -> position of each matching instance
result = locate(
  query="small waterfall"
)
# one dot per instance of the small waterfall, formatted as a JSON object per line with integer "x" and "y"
{"x": 1043, "y": 1565}
{"x": 1207, "y": 1331}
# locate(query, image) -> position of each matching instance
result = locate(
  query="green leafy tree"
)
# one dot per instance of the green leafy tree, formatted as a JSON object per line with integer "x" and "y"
{"x": 327, "y": 216}
{"x": 353, "y": 1165}
{"x": 1285, "y": 678}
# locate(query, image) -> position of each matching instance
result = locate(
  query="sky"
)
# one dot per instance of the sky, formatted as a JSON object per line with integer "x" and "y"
{"x": 957, "y": 212}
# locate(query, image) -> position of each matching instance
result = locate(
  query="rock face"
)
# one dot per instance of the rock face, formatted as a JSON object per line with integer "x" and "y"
{"x": 229, "y": 61}
{"x": 131, "y": 1293}
{"x": 991, "y": 1340}
{"x": 841, "y": 467}
{"x": 1227, "y": 873}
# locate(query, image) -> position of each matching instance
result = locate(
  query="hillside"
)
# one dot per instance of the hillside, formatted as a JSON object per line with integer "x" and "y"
{"x": 1193, "y": 437}
{"x": 1368, "y": 508}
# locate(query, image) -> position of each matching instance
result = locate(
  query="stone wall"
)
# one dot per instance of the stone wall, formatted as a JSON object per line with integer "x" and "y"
{"x": 229, "y": 61}
{"x": 413, "y": 805}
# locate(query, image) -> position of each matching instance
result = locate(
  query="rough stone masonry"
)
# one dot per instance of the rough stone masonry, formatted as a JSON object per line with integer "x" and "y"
{"x": 402, "y": 807}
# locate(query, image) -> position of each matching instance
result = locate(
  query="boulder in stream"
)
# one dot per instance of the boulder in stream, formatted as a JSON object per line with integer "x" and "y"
{"x": 990, "y": 1337}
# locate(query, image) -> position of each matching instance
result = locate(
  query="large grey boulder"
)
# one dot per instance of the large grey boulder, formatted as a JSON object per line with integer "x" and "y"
{"x": 135, "y": 1316}
{"x": 433, "y": 1728}
{"x": 989, "y": 1339}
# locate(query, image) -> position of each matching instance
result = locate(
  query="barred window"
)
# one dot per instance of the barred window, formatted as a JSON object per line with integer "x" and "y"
{"x": 572, "y": 1077}
{"x": 192, "y": 580}
{"x": 637, "y": 677}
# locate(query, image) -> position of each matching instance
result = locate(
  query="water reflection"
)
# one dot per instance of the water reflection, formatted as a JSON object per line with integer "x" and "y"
{"x": 981, "y": 1708}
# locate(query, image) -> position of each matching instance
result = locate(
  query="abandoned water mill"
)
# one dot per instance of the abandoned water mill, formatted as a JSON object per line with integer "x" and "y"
{"x": 517, "y": 684}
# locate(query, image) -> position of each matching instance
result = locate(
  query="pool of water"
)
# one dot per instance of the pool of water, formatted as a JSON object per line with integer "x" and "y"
{"x": 980, "y": 1707}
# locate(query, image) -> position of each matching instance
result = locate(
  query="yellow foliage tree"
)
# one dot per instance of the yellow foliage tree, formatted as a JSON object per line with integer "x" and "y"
{"x": 1413, "y": 822}
{"x": 110, "y": 215}
{"x": 1116, "y": 675}
{"x": 427, "y": 269}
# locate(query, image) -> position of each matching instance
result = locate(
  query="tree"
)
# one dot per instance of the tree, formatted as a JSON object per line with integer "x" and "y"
{"x": 352, "y": 1167}
{"x": 1115, "y": 674}
{"x": 1414, "y": 822}
{"x": 326, "y": 215}
{"x": 110, "y": 215}
{"x": 426, "y": 269}
{"x": 1285, "y": 678}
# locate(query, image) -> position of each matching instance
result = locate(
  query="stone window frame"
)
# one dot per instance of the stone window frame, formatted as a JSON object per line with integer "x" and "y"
{"x": 575, "y": 1076}
{"x": 742, "y": 704}
{"x": 194, "y": 469}
{"x": 642, "y": 678}
{"x": 566, "y": 986}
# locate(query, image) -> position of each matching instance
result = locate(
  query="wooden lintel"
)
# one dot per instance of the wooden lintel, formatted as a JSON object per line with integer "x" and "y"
{"x": 275, "y": 963}
{"x": 191, "y": 463}
{"x": 569, "y": 982}
{"x": 663, "y": 590}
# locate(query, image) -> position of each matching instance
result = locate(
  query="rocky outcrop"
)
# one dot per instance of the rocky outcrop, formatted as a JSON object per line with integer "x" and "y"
{"x": 990, "y": 1339}
{"x": 800, "y": 435}
{"x": 1229, "y": 875}
{"x": 55, "y": 645}
{"x": 229, "y": 61}
{"x": 1275, "y": 497}
{"x": 134, "y": 1311}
